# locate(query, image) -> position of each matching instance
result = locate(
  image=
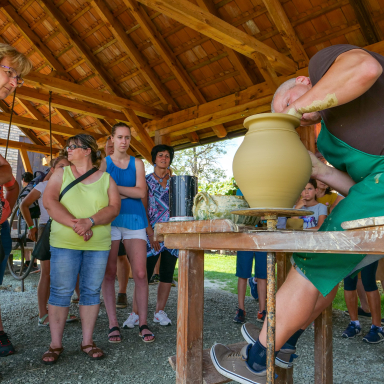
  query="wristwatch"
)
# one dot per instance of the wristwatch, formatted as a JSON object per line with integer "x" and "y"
{"x": 92, "y": 221}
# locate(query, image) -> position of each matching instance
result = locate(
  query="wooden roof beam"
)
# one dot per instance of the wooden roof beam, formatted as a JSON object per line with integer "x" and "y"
{"x": 44, "y": 126}
{"x": 165, "y": 52}
{"x": 202, "y": 21}
{"x": 235, "y": 57}
{"x": 136, "y": 56}
{"x": 84, "y": 50}
{"x": 267, "y": 71}
{"x": 68, "y": 119}
{"x": 30, "y": 35}
{"x": 61, "y": 86}
{"x": 28, "y": 147}
{"x": 287, "y": 32}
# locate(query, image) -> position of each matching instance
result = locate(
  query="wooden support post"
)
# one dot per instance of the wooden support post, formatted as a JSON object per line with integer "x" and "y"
{"x": 190, "y": 309}
{"x": 162, "y": 139}
{"x": 323, "y": 348}
{"x": 25, "y": 160}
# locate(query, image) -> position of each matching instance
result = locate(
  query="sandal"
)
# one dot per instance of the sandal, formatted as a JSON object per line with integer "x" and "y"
{"x": 71, "y": 318}
{"x": 119, "y": 335}
{"x": 40, "y": 322}
{"x": 51, "y": 353}
{"x": 75, "y": 300}
{"x": 145, "y": 326}
{"x": 92, "y": 351}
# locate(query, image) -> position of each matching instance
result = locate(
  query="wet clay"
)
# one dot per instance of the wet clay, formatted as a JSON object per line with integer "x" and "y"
{"x": 319, "y": 105}
{"x": 272, "y": 166}
{"x": 293, "y": 112}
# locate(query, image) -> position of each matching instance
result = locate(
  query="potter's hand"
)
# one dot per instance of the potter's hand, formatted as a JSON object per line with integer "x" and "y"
{"x": 318, "y": 168}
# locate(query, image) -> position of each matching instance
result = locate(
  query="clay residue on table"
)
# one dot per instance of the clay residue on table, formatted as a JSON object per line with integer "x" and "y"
{"x": 319, "y": 105}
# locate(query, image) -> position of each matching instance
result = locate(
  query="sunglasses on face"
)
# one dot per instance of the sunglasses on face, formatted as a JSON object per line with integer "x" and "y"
{"x": 74, "y": 146}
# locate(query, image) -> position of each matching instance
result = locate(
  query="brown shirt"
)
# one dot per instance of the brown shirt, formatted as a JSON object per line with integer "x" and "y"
{"x": 359, "y": 123}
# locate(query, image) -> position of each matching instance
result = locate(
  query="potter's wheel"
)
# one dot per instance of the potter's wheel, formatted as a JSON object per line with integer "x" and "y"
{"x": 278, "y": 212}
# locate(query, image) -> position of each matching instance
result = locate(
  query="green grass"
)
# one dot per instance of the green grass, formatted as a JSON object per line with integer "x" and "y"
{"x": 222, "y": 269}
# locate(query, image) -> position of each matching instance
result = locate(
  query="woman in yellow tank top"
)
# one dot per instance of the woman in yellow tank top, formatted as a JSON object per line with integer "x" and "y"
{"x": 80, "y": 241}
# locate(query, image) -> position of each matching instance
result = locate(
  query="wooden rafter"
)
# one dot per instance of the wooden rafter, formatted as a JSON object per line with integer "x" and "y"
{"x": 28, "y": 147}
{"x": 62, "y": 23}
{"x": 266, "y": 70}
{"x": 25, "y": 160}
{"x": 61, "y": 86}
{"x": 287, "y": 32}
{"x": 69, "y": 120}
{"x": 236, "y": 59}
{"x": 202, "y": 21}
{"x": 43, "y": 126}
{"x": 136, "y": 56}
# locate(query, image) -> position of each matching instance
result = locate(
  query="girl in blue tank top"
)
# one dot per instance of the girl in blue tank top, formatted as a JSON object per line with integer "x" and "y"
{"x": 129, "y": 227}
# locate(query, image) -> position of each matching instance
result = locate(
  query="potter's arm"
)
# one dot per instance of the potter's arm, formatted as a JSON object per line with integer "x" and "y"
{"x": 338, "y": 180}
{"x": 350, "y": 76}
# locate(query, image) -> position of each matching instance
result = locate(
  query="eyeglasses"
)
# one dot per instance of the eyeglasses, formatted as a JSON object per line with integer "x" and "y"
{"x": 74, "y": 146}
{"x": 12, "y": 74}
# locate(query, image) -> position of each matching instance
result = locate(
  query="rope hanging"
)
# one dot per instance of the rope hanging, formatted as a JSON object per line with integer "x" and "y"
{"x": 10, "y": 124}
{"x": 50, "y": 121}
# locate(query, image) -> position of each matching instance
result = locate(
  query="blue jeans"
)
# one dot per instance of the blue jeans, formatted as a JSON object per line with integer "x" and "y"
{"x": 244, "y": 262}
{"x": 7, "y": 246}
{"x": 66, "y": 264}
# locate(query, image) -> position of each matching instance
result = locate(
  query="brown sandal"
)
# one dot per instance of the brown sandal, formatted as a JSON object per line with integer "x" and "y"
{"x": 52, "y": 353}
{"x": 92, "y": 351}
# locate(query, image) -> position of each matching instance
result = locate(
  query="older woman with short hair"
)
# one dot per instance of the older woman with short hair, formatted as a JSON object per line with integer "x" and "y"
{"x": 80, "y": 241}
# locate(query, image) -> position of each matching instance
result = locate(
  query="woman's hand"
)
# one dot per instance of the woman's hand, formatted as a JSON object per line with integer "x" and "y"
{"x": 300, "y": 204}
{"x": 81, "y": 226}
{"x": 32, "y": 234}
{"x": 87, "y": 236}
{"x": 154, "y": 244}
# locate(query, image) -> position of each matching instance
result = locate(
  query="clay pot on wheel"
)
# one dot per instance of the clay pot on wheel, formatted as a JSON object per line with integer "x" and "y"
{"x": 272, "y": 166}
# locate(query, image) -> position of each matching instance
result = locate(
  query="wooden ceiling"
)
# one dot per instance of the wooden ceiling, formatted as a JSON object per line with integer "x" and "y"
{"x": 178, "y": 72}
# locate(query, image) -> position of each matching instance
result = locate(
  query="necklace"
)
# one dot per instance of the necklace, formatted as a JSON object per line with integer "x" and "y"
{"x": 160, "y": 178}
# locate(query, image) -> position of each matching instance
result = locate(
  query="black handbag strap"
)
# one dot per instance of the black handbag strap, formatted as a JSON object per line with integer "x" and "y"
{"x": 78, "y": 180}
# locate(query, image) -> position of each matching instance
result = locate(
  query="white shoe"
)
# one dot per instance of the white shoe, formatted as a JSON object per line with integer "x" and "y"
{"x": 132, "y": 320}
{"x": 162, "y": 318}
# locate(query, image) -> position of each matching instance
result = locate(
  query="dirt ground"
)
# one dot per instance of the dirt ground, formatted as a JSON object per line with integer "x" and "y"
{"x": 132, "y": 361}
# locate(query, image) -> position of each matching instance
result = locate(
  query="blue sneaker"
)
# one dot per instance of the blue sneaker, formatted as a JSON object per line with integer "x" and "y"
{"x": 351, "y": 331}
{"x": 240, "y": 316}
{"x": 261, "y": 316}
{"x": 374, "y": 336}
{"x": 253, "y": 287}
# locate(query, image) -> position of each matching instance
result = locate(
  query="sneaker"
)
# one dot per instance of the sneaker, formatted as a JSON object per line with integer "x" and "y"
{"x": 240, "y": 316}
{"x": 351, "y": 331}
{"x": 232, "y": 365}
{"x": 253, "y": 287}
{"x": 162, "y": 318}
{"x": 286, "y": 355}
{"x": 154, "y": 279}
{"x": 6, "y": 347}
{"x": 374, "y": 336}
{"x": 261, "y": 316}
{"x": 132, "y": 320}
{"x": 121, "y": 300}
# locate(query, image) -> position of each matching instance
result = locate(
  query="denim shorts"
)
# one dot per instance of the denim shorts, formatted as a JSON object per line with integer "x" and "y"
{"x": 66, "y": 264}
{"x": 121, "y": 233}
{"x": 6, "y": 241}
{"x": 244, "y": 264}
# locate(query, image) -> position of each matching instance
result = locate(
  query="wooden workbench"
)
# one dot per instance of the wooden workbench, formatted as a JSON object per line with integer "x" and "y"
{"x": 193, "y": 237}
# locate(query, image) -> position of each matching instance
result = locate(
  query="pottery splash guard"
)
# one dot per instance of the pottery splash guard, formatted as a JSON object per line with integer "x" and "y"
{"x": 272, "y": 165}
{"x": 182, "y": 191}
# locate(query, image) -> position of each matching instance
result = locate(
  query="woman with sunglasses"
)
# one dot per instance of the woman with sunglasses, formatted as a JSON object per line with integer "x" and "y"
{"x": 80, "y": 241}
{"x": 129, "y": 227}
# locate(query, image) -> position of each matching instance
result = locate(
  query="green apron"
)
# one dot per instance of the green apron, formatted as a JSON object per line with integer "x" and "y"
{"x": 365, "y": 199}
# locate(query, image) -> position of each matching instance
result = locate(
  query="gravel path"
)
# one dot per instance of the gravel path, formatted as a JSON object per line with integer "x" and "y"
{"x": 132, "y": 361}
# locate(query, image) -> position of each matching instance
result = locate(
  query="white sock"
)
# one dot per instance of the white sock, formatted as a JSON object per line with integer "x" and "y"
{"x": 356, "y": 322}
{"x": 255, "y": 280}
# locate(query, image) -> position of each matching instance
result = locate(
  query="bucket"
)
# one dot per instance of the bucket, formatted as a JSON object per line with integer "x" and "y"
{"x": 182, "y": 191}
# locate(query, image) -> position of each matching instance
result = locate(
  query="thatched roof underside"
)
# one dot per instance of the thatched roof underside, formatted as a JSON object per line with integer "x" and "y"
{"x": 179, "y": 72}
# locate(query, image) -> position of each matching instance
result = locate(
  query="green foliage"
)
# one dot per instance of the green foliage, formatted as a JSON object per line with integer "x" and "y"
{"x": 226, "y": 187}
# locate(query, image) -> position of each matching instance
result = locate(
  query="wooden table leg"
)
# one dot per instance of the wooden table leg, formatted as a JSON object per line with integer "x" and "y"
{"x": 190, "y": 308}
{"x": 323, "y": 348}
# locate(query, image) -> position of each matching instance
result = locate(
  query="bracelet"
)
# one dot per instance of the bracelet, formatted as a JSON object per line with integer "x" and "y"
{"x": 32, "y": 226}
{"x": 92, "y": 221}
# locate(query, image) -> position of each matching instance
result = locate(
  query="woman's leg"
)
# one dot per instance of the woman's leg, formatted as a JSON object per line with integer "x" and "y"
{"x": 43, "y": 288}
{"x": 167, "y": 268}
{"x": 123, "y": 270}
{"x": 137, "y": 254}
{"x": 368, "y": 278}
{"x": 65, "y": 266}
{"x": 350, "y": 296}
{"x": 362, "y": 296}
{"x": 92, "y": 272}
{"x": 108, "y": 289}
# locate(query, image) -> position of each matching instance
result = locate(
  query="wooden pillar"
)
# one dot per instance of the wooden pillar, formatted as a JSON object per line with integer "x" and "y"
{"x": 162, "y": 139}
{"x": 308, "y": 137}
{"x": 323, "y": 348}
{"x": 190, "y": 309}
{"x": 25, "y": 160}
